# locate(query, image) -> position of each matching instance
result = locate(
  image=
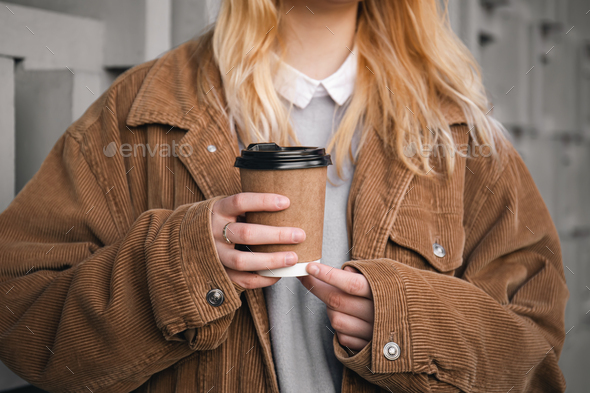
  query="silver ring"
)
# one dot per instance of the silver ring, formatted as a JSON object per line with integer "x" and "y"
{"x": 225, "y": 234}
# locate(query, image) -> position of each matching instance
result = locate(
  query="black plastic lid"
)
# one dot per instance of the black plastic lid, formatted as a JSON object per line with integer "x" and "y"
{"x": 272, "y": 156}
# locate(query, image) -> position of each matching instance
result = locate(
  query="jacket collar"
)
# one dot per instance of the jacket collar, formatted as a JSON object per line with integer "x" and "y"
{"x": 168, "y": 94}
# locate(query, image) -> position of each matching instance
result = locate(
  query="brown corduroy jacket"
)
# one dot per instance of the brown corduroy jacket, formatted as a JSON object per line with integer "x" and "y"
{"x": 106, "y": 257}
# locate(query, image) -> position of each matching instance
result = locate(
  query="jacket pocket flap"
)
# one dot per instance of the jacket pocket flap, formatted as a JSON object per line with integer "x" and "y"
{"x": 437, "y": 236}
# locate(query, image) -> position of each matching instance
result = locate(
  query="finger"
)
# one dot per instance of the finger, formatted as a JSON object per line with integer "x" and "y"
{"x": 238, "y": 204}
{"x": 242, "y": 233}
{"x": 349, "y": 325}
{"x": 351, "y": 343}
{"x": 351, "y": 269}
{"x": 250, "y": 280}
{"x": 338, "y": 300}
{"x": 352, "y": 283}
{"x": 251, "y": 261}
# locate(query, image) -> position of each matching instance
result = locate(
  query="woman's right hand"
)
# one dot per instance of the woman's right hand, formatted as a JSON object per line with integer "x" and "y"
{"x": 241, "y": 265}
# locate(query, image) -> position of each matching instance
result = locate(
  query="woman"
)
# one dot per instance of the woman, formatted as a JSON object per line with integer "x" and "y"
{"x": 117, "y": 275}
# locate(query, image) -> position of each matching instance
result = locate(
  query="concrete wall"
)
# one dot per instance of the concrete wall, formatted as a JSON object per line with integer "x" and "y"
{"x": 124, "y": 36}
{"x": 190, "y": 17}
{"x": 7, "y": 163}
{"x": 57, "y": 56}
{"x": 57, "y": 98}
{"x": 50, "y": 40}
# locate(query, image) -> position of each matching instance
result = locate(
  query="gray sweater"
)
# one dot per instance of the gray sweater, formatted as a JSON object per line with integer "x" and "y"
{"x": 301, "y": 334}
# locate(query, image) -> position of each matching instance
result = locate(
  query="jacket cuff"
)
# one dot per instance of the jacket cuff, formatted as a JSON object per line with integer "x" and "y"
{"x": 182, "y": 267}
{"x": 190, "y": 335}
{"x": 390, "y": 324}
{"x": 202, "y": 267}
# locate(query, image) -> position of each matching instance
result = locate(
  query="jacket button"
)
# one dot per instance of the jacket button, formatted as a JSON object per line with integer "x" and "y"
{"x": 215, "y": 297}
{"x": 391, "y": 351}
{"x": 212, "y": 148}
{"x": 439, "y": 250}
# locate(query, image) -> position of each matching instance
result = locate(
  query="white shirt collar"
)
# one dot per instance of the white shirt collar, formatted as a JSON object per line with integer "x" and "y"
{"x": 299, "y": 88}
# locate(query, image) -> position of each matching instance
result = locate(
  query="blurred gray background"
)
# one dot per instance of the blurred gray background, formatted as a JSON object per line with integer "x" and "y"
{"x": 58, "y": 56}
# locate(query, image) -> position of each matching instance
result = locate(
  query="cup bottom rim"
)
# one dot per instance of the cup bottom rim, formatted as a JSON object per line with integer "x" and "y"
{"x": 296, "y": 270}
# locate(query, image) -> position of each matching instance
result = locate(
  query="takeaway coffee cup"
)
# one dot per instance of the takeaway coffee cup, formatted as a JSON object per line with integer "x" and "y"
{"x": 299, "y": 173}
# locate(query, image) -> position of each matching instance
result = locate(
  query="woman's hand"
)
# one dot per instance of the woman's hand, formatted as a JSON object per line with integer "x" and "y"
{"x": 349, "y": 299}
{"x": 240, "y": 264}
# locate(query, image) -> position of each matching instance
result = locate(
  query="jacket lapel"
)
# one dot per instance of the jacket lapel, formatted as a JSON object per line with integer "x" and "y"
{"x": 168, "y": 96}
{"x": 212, "y": 162}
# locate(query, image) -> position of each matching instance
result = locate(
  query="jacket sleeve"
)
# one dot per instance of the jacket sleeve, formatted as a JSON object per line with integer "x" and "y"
{"x": 84, "y": 310}
{"x": 498, "y": 327}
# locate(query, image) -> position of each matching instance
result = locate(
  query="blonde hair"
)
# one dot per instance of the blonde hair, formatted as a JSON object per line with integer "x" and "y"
{"x": 409, "y": 62}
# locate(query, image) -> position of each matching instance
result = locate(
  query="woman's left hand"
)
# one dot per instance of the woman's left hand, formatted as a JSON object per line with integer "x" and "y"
{"x": 349, "y": 299}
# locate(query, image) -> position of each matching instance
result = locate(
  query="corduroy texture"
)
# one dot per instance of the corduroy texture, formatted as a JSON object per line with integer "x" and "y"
{"x": 105, "y": 262}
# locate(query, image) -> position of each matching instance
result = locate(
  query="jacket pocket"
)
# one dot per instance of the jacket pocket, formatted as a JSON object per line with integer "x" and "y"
{"x": 438, "y": 237}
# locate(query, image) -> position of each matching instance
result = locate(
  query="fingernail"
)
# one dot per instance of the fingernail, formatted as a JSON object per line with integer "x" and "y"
{"x": 290, "y": 259}
{"x": 313, "y": 269}
{"x": 298, "y": 235}
{"x": 282, "y": 202}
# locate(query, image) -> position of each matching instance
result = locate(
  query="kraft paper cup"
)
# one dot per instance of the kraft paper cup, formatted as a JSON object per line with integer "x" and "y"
{"x": 299, "y": 173}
